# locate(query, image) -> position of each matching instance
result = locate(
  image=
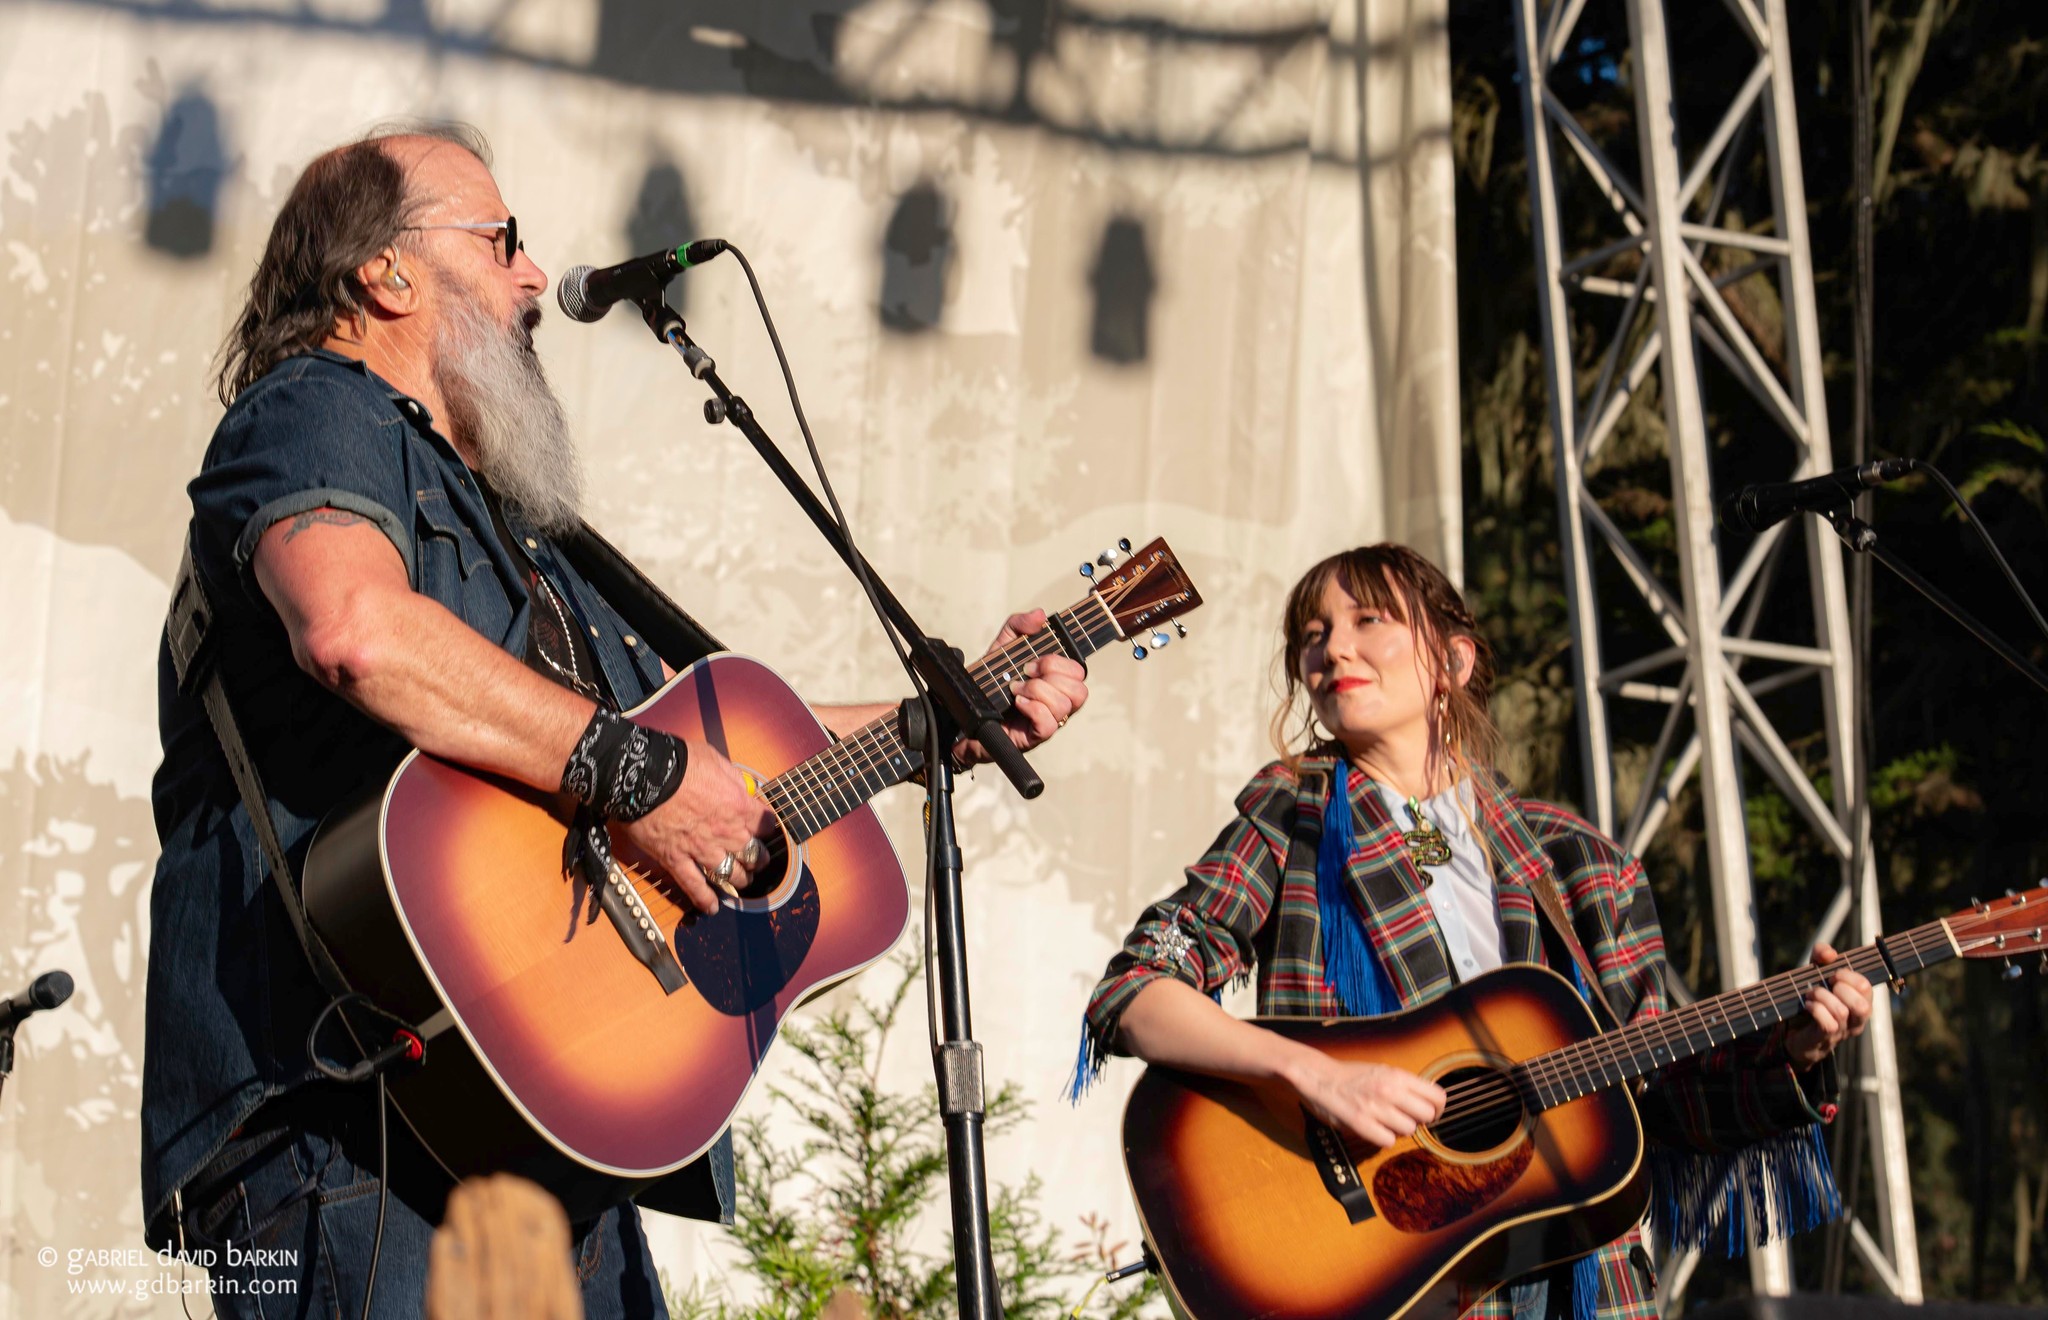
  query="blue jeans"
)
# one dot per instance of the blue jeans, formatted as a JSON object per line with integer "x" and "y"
{"x": 291, "y": 1236}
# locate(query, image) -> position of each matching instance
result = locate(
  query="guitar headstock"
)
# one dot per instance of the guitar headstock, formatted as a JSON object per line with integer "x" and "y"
{"x": 2004, "y": 927}
{"x": 1150, "y": 589}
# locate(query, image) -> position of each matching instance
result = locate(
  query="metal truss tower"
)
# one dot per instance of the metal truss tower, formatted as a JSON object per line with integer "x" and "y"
{"x": 1668, "y": 221}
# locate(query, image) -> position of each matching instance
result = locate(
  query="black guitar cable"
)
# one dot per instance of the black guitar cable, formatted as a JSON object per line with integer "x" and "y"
{"x": 405, "y": 1050}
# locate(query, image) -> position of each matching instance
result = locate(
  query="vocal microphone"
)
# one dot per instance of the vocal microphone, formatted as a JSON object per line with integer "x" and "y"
{"x": 1765, "y": 504}
{"x": 586, "y": 293}
{"x": 49, "y": 990}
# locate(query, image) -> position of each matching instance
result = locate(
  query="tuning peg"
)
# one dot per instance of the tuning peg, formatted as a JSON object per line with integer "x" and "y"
{"x": 1180, "y": 627}
{"x": 1160, "y": 639}
{"x": 1088, "y": 571}
{"x": 2012, "y": 971}
{"x": 1980, "y": 905}
{"x": 1139, "y": 652}
{"x": 1123, "y": 543}
{"x": 2043, "y": 968}
{"x": 1107, "y": 558}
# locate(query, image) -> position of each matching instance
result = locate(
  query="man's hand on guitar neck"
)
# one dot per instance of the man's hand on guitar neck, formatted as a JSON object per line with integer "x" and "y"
{"x": 1834, "y": 1013}
{"x": 1047, "y": 694}
{"x": 1052, "y": 688}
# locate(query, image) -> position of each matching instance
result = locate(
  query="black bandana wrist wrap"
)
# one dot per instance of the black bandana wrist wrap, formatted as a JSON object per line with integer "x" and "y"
{"x": 621, "y": 770}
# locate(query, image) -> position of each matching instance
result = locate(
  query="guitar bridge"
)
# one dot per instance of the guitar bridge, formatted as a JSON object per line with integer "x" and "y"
{"x": 1339, "y": 1173}
{"x": 588, "y": 852}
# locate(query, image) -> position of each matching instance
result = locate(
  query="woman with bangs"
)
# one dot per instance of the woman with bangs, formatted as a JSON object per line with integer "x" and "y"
{"x": 1383, "y": 860}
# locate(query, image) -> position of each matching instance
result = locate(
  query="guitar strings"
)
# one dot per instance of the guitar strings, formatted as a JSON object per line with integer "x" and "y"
{"x": 1570, "y": 1071}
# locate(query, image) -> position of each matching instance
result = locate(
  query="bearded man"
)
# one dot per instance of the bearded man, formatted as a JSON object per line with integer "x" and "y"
{"x": 376, "y": 527}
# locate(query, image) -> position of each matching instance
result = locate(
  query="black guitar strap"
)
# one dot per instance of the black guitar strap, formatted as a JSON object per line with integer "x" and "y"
{"x": 195, "y": 655}
{"x": 674, "y": 635}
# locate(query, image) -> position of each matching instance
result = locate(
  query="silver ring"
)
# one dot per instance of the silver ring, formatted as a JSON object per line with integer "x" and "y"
{"x": 753, "y": 854}
{"x": 723, "y": 872}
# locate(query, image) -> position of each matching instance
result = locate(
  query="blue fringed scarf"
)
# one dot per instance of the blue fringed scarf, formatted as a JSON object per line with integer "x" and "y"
{"x": 1351, "y": 969}
{"x": 1726, "y": 1204}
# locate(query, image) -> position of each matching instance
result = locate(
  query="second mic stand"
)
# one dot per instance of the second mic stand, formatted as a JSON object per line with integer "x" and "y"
{"x": 957, "y": 706}
{"x": 1861, "y": 537}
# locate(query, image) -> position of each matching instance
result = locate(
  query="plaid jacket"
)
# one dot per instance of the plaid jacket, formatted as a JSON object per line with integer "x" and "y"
{"x": 1248, "y": 909}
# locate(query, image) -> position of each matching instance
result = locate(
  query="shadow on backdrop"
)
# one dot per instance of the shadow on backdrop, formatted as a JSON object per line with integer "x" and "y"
{"x": 1026, "y": 29}
{"x": 1124, "y": 282}
{"x": 786, "y": 51}
{"x": 791, "y": 52}
{"x": 184, "y": 171}
{"x": 661, "y": 219}
{"x": 917, "y": 257}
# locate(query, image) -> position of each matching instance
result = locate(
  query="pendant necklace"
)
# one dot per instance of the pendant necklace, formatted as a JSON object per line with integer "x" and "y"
{"x": 1427, "y": 845}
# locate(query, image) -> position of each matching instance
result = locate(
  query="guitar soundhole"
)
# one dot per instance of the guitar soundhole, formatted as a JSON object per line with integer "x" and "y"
{"x": 764, "y": 880}
{"x": 1484, "y": 1111}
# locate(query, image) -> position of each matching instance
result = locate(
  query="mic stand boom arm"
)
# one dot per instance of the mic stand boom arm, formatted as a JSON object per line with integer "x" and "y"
{"x": 940, "y": 665}
{"x": 958, "y": 706}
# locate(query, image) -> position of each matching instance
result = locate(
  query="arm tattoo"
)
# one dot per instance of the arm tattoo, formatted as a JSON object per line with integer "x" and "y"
{"x": 332, "y": 517}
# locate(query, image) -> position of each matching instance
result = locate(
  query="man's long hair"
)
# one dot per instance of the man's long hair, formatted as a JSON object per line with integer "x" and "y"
{"x": 350, "y": 204}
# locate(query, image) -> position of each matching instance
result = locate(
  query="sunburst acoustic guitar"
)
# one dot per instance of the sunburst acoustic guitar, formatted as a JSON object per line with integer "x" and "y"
{"x": 1254, "y": 1209}
{"x": 597, "y": 1057}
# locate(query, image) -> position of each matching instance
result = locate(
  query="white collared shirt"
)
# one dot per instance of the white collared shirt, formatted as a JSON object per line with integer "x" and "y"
{"x": 1461, "y": 893}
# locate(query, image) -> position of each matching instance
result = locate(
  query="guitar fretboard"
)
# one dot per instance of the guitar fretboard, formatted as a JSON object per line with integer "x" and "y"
{"x": 812, "y": 794}
{"x": 1643, "y": 1047}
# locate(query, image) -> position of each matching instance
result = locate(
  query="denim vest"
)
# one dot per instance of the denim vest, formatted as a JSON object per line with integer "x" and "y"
{"x": 229, "y": 995}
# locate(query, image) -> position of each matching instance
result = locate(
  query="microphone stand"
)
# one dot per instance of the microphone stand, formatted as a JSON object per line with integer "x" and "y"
{"x": 1861, "y": 537}
{"x": 957, "y": 705}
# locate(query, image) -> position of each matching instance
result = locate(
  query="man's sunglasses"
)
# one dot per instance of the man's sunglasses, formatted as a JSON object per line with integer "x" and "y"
{"x": 512, "y": 244}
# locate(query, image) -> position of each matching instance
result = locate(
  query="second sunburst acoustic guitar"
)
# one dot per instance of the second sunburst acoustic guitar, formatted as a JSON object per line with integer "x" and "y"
{"x": 569, "y": 1050}
{"x": 1253, "y": 1209}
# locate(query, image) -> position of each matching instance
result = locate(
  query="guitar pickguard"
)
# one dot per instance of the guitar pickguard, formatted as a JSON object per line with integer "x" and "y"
{"x": 1420, "y": 1193}
{"x": 739, "y": 960}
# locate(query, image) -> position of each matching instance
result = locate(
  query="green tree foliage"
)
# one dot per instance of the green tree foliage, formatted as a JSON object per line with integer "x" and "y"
{"x": 1960, "y": 113}
{"x": 839, "y": 1218}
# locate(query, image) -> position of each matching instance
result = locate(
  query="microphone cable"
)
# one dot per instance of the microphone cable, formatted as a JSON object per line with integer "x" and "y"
{"x": 859, "y": 562}
{"x": 932, "y": 750}
{"x": 1976, "y": 524}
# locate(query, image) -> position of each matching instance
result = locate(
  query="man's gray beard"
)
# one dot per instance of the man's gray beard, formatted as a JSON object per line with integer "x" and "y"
{"x": 499, "y": 401}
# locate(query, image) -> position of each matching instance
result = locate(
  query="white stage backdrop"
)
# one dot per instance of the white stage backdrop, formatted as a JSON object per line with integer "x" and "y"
{"x": 1048, "y": 275}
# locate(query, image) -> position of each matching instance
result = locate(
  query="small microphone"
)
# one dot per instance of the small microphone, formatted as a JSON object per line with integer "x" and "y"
{"x": 1765, "y": 504}
{"x": 49, "y": 990}
{"x": 586, "y": 293}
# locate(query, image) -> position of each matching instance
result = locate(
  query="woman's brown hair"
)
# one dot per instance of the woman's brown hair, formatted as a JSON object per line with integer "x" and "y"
{"x": 1395, "y": 581}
